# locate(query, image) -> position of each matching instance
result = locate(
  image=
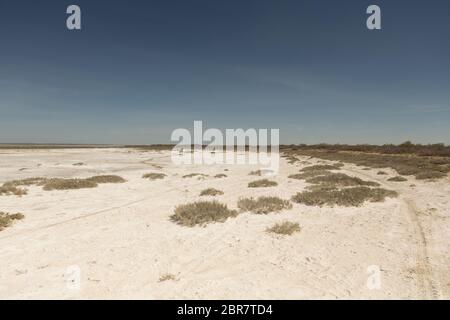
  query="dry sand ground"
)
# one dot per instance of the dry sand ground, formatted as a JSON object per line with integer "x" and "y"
{"x": 121, "y": 237}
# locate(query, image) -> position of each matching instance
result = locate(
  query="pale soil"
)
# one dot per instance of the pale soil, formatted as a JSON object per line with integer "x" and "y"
{"x": 121, "y": 237}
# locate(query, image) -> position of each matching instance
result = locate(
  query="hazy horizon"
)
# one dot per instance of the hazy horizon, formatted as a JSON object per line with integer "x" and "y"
{"x": 137, "y": 70}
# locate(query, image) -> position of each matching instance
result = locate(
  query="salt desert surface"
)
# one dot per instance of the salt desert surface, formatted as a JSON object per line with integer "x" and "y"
{"x": 121, "y": 238}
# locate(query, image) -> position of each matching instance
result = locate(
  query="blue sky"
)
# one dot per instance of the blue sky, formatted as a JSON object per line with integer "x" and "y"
{"x": 140, "y": 69}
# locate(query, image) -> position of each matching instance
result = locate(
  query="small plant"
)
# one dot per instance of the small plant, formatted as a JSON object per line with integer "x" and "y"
{"x": 264, "y": 183}
{"x": 167, "y": 277}
{"x": 201, "y": 213}
{"x": 154, "y": 176}
{"x": 78, "y": 164}
{"x": 285, "y": 228}
{"x": 398, "y": 179}
{"x": 220, "y": 175}
{"x": 211, "y": 192}
{"x": 263, "y": 205}
{"x": 381, "y": 173}
{"x": 191, "y": 175}
{"x": 6, "y": 219}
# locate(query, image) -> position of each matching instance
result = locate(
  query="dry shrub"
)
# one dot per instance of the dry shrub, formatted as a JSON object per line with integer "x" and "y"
{"x": 154, "y": 176}
{"x": 191, "y": 175}
{"x": 380, "y": 173}
{"x": 340, "y": 179}
{"x": 6, "y": 219}
{"x": 398, "y": 179}
{"x": 319, "y": 167}
{"x": 263, "y": 205}
{"x": 285, "y": 228}
{"x": 201, "y": 213}
{"x": 430, "y": 174}
{"x": 68, "y": 184}
{"x": 167, "y": 277}
{"x": 347, "y": 197}
{"x": 220, "y": 175}
{"x": 309, "y": 174}
{"x": 106, "y": 179}
{"x": 211, "y": 192}
{"x": 12, "y": 190}
{"x": 263, "y": 183}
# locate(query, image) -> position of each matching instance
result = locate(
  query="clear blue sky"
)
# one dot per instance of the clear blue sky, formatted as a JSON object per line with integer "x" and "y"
{"x": 139, "y": 69}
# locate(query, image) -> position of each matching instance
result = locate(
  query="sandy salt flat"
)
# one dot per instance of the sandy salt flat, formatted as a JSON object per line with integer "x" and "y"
{"x": 121, "y": 239}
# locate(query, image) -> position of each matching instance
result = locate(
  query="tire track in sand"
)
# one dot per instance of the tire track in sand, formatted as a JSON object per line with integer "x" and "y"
{"x": 428, "y": 287}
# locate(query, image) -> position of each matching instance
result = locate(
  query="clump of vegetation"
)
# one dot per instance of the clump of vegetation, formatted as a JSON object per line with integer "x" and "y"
{"x": 263, "y": 183}
{"x": 191, "y": 175}
{"x": 78, "y": 164}
{"x": 154, "y": 176}
{"x": 220, "y": 175}
{"x": 12, "y": 190}
{"x": 285, "y": 228}
{"x": 263, "y": 205}
{"x": 309, "y": 174}
{"x": 341, "y": 179}
{"x": 106, "y": 179}
{"x": 347, "y": 197}
{"x": 406, "y": 159}
{"x": 398, "y": 179}
{"x": 430, "y": 174}
{"x": 6, "y": 219}
{"x": 211, "y": 192}
{"x": 167, "y": 277}
{"x": 68, "y": 184}
{"x": 320, "y": 167}
{"x": 381, "y": 173}
{"x": 201, "y": 213}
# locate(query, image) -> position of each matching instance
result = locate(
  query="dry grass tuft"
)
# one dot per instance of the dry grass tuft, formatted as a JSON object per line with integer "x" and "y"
{"x": 201, "y": 213}
{"x": 264, "y": 183}
{"x": 6, "y": 219}
{"x": 167, "y": 277}
{"x": 220, "y": 175}
{"x": 348, "y": 197}
{"x": 154, "y": 176}
{"x": 285, "y": 228}
{"x": 398, "y": 179}
{"x": 12, "y": 190}
{"x": 263, "y": 205}
{"x": 381, "y": 173}
{"x": 211, "y": 192}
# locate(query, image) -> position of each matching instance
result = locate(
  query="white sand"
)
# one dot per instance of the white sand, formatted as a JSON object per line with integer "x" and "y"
{"x": 121, "y": 238}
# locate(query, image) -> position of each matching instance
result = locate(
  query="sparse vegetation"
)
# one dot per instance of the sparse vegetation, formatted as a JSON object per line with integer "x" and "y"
{"x": 398, "y": 179}
{"x": 263, "y": 205}
{"x": 6, "y": 219}
{"x": 201, "y": 213}
{"x": 106, "y": 179}
{"x": 78, "y": 164}
{"x": 68, "y": 184}
{"x": 309, "y": 174}
{"x": 406, "y": 159}
{"x": 340, "y": 179}
{"x": 167, "y": 277}
{"x": 191, "y": 175}
{"x": 264, "y": 183}
{"x": 154, "y": 176}
{"x": 12, "y": 190}
{"x": 354, "y": 196}
{"x": 220, "y": 175}
{"x": 380, "y": 173}
{"x": 255, "y": 173}
{"x": 211, "y": 192}
{"x": 285, "y": 228}
{"x": 321, "y": 167}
